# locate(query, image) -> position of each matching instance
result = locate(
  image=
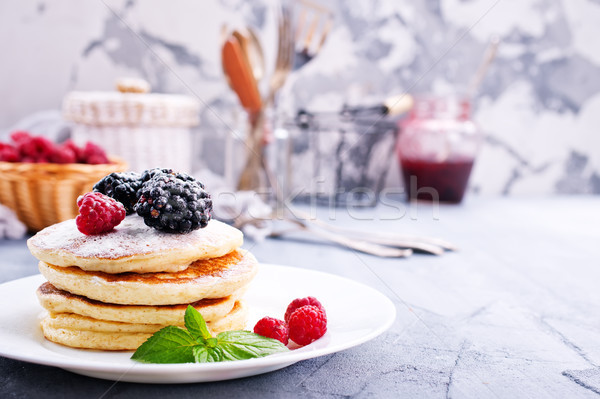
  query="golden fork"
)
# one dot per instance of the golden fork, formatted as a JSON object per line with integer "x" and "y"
{"x": 285, "y": 54}
{"x": 313, "y": 26}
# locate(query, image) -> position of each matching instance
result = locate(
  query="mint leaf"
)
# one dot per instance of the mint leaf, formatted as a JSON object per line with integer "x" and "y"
{"x": 169, "y": 345}
{"x": 239, "y": 345}
{"x": 195, "y": 324}
{"x": 176, "y": 345}
{"x": 205, "y": 354}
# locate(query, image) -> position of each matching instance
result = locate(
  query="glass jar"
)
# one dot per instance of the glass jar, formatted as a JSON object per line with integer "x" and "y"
{"x": 334, "y": 159}
{"x": 437, "y": 148}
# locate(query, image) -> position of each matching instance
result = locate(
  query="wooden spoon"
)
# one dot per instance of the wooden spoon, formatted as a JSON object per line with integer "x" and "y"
{"x": 239, "y": 74}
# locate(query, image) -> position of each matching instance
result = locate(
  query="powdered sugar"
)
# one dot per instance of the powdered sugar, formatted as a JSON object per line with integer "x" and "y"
{"x": 130, "y": 238}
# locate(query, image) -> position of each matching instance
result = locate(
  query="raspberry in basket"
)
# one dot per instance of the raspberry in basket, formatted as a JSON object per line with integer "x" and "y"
{"x": 299, "y": 302}
{"x": 98, "y": 213}
{"x": 93, "y": 154}
{"x": 307, "y": 324}
{"x": 271, "y": 327}
{"x": 35, "y": 149}
{"x": 8, "y": 153}
{"x": 63, "y": 154}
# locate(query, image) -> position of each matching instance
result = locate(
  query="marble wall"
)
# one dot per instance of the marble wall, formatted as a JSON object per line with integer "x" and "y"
{"x": 539, "y": 105}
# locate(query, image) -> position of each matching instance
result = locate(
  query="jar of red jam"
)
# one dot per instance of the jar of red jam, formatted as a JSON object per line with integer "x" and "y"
{"x": 437, "y": 147}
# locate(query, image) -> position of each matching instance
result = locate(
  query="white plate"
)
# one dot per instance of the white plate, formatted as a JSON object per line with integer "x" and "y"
{"x": 356, "y": 314}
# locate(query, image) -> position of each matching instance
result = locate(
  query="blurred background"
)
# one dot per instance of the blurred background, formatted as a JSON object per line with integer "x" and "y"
{"x": 538, "y": 105}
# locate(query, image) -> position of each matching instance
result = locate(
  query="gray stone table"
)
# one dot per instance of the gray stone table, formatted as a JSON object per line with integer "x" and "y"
{"x": 514, "y": 313}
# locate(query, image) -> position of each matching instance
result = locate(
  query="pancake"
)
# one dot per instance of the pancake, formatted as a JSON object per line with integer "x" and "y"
{"x": 206, "y": 278}
{"x": 59, "y": 301}
{"x": 132, "y": 246}
{"x": 84, "y": 332}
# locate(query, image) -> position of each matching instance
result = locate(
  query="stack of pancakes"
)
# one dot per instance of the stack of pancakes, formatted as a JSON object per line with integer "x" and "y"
{"x": 113, "y": 291}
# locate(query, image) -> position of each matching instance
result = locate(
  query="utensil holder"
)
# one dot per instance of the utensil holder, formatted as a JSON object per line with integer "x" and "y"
{"x": 335, "y": 160}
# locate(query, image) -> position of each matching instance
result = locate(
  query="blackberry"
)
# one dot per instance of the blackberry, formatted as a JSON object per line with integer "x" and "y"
{"x": 173, "y": 202}
{"x": 121, "y": 186}
{"x": 150, "y": 173}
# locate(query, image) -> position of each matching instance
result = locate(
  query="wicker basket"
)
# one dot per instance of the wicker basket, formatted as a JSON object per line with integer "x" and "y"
{"x": 42, "y": 194}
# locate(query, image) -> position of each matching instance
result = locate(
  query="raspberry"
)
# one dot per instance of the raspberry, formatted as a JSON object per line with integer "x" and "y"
{"x": 38, "y": 148}
{"x": 20, "y": 136}
{"x": 307, "y": 324}
{"x": 8, "y": 153}
{"x": 63, "y": 154}
{"x": 298, "y": 303}
{"x": 98, "y": 213}
{"x": 93, "y": 154}
{"x": 78, "y": 151}
{"x": 271, "y": 327}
